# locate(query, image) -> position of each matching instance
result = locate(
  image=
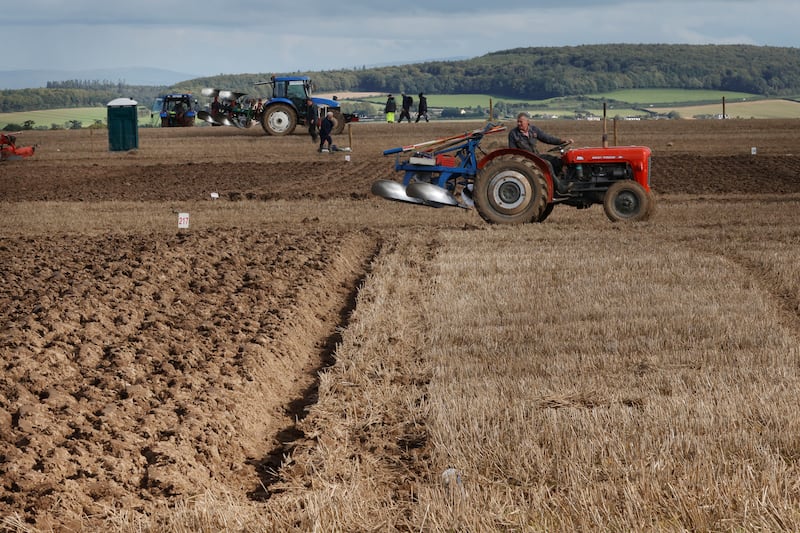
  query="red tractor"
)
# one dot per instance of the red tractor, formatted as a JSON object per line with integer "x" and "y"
{"x": 510, "y": 186}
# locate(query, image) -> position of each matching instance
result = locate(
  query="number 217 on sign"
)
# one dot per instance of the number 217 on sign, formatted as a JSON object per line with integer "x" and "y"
{"x": 183, "y": 220}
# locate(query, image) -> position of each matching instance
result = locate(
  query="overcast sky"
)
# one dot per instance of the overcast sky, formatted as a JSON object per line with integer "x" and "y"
{"x": 206, "y": 38}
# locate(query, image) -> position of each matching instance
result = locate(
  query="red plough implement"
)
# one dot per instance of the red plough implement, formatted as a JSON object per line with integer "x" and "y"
{"x": 10, "y": 151}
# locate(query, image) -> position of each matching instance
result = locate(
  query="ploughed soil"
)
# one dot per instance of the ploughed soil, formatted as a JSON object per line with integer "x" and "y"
{"x": 714, "y": 158}
{"x": 140, "y": 369}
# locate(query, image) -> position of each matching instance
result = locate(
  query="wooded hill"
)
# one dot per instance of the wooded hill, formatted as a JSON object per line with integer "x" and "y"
{"x": 521, "y": 73}
{"x": 539, "y": 73}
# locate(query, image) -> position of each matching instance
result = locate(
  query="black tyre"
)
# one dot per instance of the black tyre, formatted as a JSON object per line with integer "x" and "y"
{"x": 338, "y": 120}
{"x": 510, "y": 189}
{"x": 546, "y": 213}
{"x": 278, "y": 119}
{"x": 652, "y": 210}
{"x": 627, "y": 201}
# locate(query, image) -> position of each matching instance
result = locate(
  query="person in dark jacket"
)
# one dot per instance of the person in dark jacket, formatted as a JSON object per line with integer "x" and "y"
{"x": 325, "y": 130}
{"x": 312, "y": 115}
{"x": 216, "y": 108}
{"x": 405, "y": 111}
{"x": 525, "y": 135}
{"x": 422, "y": 108}
{"x": 390, "y": 108}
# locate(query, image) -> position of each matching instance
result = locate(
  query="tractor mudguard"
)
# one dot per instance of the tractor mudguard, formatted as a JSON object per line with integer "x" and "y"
{"x": 273, "y": 101}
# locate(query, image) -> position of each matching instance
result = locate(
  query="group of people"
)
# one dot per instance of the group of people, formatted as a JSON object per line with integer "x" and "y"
{"x": 320, "y": 129}
{"x": 523, "y": 137}
{"x": 405, "y": 112}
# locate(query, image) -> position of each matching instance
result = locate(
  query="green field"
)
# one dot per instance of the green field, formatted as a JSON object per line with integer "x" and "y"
{"x": 756, "y": 109}
{"x": 687, "y": 103}
{"x": 660, "y": 96}
{"x": 63, "y": 117}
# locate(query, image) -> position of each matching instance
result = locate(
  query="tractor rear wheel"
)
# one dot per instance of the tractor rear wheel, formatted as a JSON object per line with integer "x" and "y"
{"x": 278, "y": 119}
{"x": 338, "y": 119}
{"x": 510, "y": 189}
{"x": 627, "y": 201}
{"x": 546, "y": 213}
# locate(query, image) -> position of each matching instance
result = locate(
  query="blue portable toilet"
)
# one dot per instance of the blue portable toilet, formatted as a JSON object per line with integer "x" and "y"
{"x": 123, "y": 125}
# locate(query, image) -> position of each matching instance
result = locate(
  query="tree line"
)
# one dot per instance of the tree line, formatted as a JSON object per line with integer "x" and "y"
{"x": 534, "y": 73}
{"x": 74, "y": 93}
{"x": 547, "y": 72}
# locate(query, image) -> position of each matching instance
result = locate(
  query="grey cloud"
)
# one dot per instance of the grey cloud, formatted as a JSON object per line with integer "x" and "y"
{"x": 251, "y": 35}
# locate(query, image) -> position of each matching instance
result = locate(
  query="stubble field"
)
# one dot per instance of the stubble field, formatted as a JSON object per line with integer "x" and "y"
{"x": 306, "y": 356}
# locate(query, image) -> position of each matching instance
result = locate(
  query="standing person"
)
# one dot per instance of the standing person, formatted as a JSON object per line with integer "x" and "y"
{"x": 422, "y": 108}
{"x": 325, "y": 130}
{"x": 390, "y": 108}
{"x": 405, "y": 112}
{"x": 215, "y": 108}
{"x": 312, "y": 115}
{"x": 525, "y": 135}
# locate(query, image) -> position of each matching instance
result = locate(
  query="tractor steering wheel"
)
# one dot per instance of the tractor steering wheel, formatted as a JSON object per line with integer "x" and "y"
{"x": 561, "y": 147}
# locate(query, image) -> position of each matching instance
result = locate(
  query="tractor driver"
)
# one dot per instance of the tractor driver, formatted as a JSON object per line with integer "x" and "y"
{"x": 177, "y": 114}
{"x": 525, "y": 135}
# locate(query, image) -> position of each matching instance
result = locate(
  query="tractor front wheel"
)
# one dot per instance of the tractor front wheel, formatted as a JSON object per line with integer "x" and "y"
{"x": 510, "y": 189}
{"x": 338, "y": 121}
{"x": 627, "y": 201}
{"x": 652, "y": 210}
{"x": 278, "y": 119}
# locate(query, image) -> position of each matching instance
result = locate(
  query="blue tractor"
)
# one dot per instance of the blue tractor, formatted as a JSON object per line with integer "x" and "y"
{"x": 175, "y": 110}
{"x": 286, "y": 108}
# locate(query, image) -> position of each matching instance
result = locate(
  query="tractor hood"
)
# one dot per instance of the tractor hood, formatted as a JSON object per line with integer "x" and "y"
{"x": 612, "y": 154}
{"x": 325, "y": 102}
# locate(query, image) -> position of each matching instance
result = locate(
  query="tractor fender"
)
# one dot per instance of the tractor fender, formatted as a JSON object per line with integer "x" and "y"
{"x": 319, "y": 102}
{"x": 273, "y": 101}
{"x": 540, "y": 163}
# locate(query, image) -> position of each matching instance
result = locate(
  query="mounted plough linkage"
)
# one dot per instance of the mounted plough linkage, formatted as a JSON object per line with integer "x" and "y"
{"x": 441, "y": 174}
